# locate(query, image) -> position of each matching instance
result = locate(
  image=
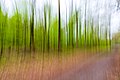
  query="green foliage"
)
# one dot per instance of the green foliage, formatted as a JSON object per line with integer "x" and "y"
{"x": 15, "y": 32}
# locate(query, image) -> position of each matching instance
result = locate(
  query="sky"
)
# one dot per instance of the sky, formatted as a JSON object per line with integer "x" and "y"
{"x": 93, "y": 7}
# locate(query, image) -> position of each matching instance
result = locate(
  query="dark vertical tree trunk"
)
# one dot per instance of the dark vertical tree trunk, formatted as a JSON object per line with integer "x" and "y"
{"x": 17, "y": 29}
{"x": 32, "y": 35}
{"x": 25, "y": 33}
{"x": 69, "y": 30}
{"x": 59, "y": 25}
{"x": 25, "y": 36}
{"x": 92, "y": 33}
{"x": 48, "y": 40}
{"x": 45, "y": 24}
{"x": 76, "y": 29}
{"x": 106, "y": 36}
{"x": 17, "y": 32}
{"x": 2, "y": 37}
{"x": 3, "y": 25}
{"x": 32, "y": 45}
{"x": 49, "y": 26}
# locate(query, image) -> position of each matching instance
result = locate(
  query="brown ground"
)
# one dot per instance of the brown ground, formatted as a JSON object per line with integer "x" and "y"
{"x": 105, "y": 68}
{"x": 79, "y": 66}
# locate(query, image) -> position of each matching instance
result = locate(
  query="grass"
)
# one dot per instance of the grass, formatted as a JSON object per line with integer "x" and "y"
{"x": 15, "y": 69}
{"x": 14, "y": 58}
{"x": 34, "y": 66}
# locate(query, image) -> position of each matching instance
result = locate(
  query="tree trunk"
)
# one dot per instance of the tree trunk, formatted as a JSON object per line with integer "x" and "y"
{"x": 76, "y": 29}
{"x": 45, "y": 24}
{"x": 59, "y": 25}
{"x": 32, "y": 45}
{"x": 2, "y": 37}
{"x": 49, "y": 27}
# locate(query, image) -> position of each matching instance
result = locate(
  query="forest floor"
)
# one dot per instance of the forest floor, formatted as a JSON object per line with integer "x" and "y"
{"x": 104, "y": 68}
{"x": 82, "y": 65}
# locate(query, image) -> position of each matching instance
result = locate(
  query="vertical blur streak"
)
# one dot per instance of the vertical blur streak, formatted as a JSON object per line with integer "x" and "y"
{"x": 59, "y": 25}
{"x": 49, "y": 32}
{"x": 76, "y": 28}
{"x": 32, "y": 45}
{"x": 85, "y": 30}
{"x": 49, "y": 14}
{"x": 45, "y": 24}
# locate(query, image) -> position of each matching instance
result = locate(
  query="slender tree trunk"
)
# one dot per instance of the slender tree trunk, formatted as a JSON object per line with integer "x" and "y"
{"x": 45, "y": 24}
{"x": 92, "y": 33}
{"x": 76, "y": 29}
{"x": 2, "y": 37}
{"x": 69, "y": 28}
{"x": 25, "y": 25}
{"x": 17, "y": 33}
{"x": 32, "y": 45}
{"x": 59, "y": 25}
{"x": 48, "y": 39}
{"x": 80, "y": 32}
{"x": 32, "y": 35}
{"x": 49, "y": 27}
{"x": 106, "y": 36}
